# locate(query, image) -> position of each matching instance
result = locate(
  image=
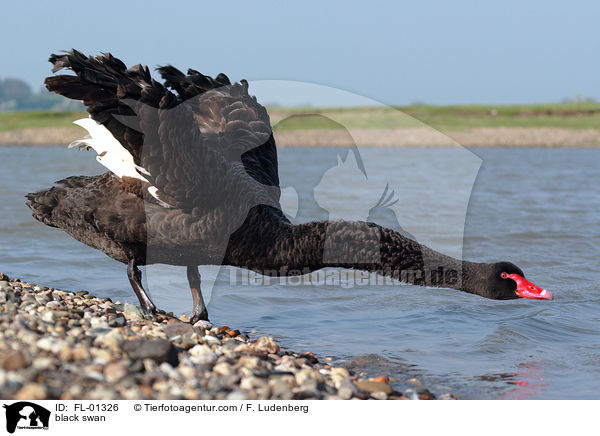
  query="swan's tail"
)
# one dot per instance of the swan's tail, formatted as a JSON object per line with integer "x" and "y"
{"x": 43, "y": 203}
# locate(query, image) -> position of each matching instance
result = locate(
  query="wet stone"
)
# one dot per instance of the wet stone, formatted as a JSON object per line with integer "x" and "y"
{"x": 379, "y": 395}
{"x": 206, "y": 325}
{"x": 371, "y": 386}
{"x": 411, "y": 394}
{"x": 132, "y": 312}
{"x": 426, "y": 395}
{"x": 347, "y": 389}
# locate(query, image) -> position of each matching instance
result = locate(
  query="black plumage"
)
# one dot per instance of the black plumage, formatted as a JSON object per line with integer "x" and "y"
{"x": 206, "y": 146}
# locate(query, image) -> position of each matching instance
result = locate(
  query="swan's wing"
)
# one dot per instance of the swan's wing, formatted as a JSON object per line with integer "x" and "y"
{"x": 180, "y": 161}
{"x": 104, "y": 84}
{"x": 227, "y": 110}
{"x": 101, "y": 83}
{"x": 187, "y": 163}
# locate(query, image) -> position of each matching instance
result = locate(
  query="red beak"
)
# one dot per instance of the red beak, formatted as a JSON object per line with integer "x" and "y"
{"x": 526, "y": 289}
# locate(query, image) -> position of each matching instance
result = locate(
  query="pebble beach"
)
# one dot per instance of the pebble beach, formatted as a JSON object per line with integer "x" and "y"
{"x": 57, "y": 344}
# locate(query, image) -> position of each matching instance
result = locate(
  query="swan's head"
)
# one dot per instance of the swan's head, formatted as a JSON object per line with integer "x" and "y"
{"x": 507, "y": 281}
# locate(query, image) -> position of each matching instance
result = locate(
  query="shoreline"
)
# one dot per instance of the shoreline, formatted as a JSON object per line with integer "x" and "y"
{"x": 57, "y": 344}
{"x": 551, "y": 137}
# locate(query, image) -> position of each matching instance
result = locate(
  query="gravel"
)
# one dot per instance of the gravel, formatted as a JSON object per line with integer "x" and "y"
{"x": 56, "y": 344}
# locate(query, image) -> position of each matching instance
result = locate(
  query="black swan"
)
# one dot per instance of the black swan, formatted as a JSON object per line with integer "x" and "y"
{"x": 194, "y": 180}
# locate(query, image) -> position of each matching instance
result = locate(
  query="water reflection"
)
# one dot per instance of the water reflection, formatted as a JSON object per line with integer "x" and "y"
{"x": 528, "y": 382}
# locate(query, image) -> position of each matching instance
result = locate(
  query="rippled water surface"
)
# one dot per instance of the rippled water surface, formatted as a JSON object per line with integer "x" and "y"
{"x": 538, "y": 208}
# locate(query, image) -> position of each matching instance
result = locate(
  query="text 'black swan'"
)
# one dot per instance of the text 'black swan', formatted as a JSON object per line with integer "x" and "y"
{"x": 193, "y": 181}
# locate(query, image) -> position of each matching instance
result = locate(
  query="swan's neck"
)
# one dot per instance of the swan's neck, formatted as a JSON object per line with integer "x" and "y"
{"x": 271, "y": 246}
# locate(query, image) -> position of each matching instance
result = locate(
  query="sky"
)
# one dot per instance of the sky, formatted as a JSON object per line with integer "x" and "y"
{"x": 401, "y": 52}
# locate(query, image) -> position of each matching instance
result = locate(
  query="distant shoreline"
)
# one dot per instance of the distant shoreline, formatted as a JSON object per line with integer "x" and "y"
{"x": 553, "y": 137}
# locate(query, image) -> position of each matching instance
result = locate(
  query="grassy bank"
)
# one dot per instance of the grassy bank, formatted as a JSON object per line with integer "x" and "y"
{"x": 38, "y": 119}
{"x": 546, "y": 125}
{"x": 567, "y": 116}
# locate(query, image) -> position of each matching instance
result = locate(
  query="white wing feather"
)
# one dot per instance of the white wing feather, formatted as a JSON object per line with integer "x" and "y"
{"x": 111, "y": 153}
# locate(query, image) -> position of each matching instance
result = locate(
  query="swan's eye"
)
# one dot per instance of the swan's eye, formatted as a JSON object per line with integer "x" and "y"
{"x": 503, "y": 275}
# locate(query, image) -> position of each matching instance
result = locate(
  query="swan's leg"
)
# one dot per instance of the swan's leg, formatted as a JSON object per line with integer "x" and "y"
{"x": 135, "y": 278}
{"x": 200, "y": 311}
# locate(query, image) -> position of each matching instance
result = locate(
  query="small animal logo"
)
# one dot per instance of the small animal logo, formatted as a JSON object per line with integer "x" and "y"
{"x": 26, "y": 415}
{"x": 346, "y": 174}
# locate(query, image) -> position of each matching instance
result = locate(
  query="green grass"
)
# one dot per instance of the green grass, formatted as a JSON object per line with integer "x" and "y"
{"x": 357, "y": 118}
{"x": 568, "y": 115}
{"x": 20, "y": 120}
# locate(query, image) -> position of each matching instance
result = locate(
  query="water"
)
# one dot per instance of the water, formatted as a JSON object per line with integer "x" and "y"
{"x": 535, "y": 207}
